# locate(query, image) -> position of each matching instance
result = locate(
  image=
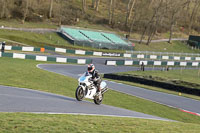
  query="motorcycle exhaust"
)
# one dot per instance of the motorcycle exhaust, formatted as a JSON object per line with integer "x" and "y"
{"x": 104, "y": 90}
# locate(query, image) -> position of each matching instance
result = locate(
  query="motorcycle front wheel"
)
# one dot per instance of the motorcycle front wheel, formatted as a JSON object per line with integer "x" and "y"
{"x": 98, "y": 99}
{"x": 79, "y": 93}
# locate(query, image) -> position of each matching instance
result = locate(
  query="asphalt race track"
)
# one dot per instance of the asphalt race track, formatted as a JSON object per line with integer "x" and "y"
{"x": 14, "y": 99}
{"x": 159, "y": 97}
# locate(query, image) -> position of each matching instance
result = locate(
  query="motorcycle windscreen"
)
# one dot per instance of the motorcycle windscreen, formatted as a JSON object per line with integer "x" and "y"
{"x": 103, "y": 85}
{"x": 82, "y": 78}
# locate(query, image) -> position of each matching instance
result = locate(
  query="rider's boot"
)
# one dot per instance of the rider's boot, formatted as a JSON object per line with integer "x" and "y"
{"x": 98, "y": 92}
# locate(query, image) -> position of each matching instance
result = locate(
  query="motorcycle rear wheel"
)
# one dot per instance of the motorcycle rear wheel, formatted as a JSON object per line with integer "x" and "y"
{"x": 80, "y": 94}
{"x": 98, "y": 99}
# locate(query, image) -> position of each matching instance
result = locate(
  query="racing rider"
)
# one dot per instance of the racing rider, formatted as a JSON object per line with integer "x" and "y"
{"x": 95, "y": 77}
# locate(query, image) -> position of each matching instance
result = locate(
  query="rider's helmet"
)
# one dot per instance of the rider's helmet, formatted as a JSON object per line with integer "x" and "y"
{"x": 91, "y": 68}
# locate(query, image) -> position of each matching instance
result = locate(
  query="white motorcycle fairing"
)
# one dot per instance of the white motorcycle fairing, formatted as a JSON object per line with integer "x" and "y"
{"x": 85, "y": 81}
{"x": 87, "y": 89}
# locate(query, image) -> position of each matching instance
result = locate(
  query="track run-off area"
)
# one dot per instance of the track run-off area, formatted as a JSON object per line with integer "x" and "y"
{"x": 13, "y": 99}
{"x": 159, "y": 97}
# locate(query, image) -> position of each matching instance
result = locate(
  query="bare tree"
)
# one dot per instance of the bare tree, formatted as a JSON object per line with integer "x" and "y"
{"x": 51, "y": 8}
{"x": 127, "y": 12}
{"x": 110, "y": 11}
{"x": 97, "y": 5}
{"x": 25, "y": 11}
{"x": 130, "y": 6}
{"x": 150, "y": 18}
{"x": 132, "y": 23}
{"x": 193, "y": 15}
{"x": 60, "y": 12}
{"x": 113, "y": 12}
{"x": 174, "y": 9}
{"x": 131, "y": 9}
{"x": 158, "y": 15}
{"x": 5, "y": 10}
{"x": 173, "y": 19}
{"x": 93, "y": 3}
{"x": 3, "y": 7}
{"x": 152, "y": 24}
{"x": 84, "y": 6}
{"x": 151, "y": 2}
{"x": 146, "y": 27}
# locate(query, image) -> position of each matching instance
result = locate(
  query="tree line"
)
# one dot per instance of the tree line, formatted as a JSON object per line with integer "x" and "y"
{"x": 146, "y": 17}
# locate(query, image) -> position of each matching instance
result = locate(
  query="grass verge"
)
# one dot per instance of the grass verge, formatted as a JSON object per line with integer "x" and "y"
{"x": 22, "y": 122}
{"x": 45, "y": 39}
{"x": 23, "y": 73}
{"x": 175, "y": 46}
{"x": 18, "y": 24}
{"x": 177, "y": 76}
{"x": 155, "y": 89}
{"x": 183, "y": 77}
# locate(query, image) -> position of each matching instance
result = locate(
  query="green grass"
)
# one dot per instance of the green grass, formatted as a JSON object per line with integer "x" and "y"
{"x": 53, "y": 39}
{"x": 175, "y": 46}
{"x": 18, "y": 24}
{"x": 23, "y": 122}
{"x": 156, "y": 89}
{"x": 86, "y": 24}
{"x": 191, "y": 76}
{"x": 23, "y": 73}
{"x": 40, "y": 40}
{"x": 36, "y": 39}
{"x": 12, "y": 43}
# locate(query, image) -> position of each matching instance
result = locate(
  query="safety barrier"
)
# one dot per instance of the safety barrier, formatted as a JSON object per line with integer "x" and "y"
{"x": 152, "y": 63}
{"x": 25, "y": 49}
{"x": 125, "y": 55}
{"x": 164, "y": 85}
{"x": 93, "y": 53}
{"x": 46, "y": 58}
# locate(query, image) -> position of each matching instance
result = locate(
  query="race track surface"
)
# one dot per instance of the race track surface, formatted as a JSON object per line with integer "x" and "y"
{"x": 14, "y": 99}
{"x": 159, "y": 97}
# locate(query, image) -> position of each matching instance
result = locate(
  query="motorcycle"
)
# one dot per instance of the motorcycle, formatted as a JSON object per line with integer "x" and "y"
{"x": 87, "y": 89}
